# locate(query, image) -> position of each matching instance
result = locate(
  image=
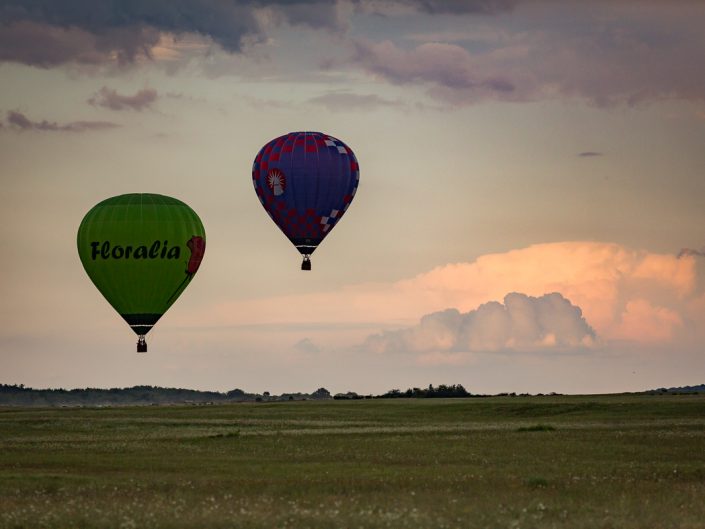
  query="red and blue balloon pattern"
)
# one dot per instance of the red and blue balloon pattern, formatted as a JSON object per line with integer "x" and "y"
{"x": 306, "y": 182}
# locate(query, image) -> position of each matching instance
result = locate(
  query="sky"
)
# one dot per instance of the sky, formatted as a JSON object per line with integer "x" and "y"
{"x": 530, "y": 215}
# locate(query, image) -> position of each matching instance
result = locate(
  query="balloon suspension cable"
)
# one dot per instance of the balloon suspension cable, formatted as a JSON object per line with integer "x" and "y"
{"x": 306, "y": 264}
{"x": 141, "y": 344}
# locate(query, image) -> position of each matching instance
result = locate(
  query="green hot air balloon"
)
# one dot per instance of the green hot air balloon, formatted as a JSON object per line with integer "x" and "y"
{"x": 141, "y": 251}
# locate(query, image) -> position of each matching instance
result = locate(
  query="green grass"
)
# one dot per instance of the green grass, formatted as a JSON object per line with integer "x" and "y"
{"x": 630, "y": 461}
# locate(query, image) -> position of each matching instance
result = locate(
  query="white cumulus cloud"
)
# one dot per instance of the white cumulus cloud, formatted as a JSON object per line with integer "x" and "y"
{"x": 521, "y": 323}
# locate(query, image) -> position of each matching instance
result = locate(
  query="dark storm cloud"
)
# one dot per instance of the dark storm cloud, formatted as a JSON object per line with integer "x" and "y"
{"x": 486, "y": 7}
{"x": 49, "y": 32}
{"x": 43, "y": 45}
{"x": 109, "y": 98}
{"x": 438, "y": 7}
{"x": 224, "y": 20}
{"x": 316, "y": 14}
{"x": 20, "y": 122}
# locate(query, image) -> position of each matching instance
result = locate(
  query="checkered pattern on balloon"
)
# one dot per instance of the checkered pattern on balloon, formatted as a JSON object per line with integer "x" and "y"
{"x": 306, "y": 182}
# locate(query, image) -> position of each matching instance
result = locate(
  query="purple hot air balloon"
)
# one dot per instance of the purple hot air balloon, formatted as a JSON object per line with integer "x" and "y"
{"x": 306, "y": 181}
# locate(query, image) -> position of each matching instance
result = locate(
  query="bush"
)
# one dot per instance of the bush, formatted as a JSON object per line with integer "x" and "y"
{"x": 536, "y": 428}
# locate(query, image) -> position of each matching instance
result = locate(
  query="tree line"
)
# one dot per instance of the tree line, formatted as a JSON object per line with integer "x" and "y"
{"x": 20, "y": 395}
{"x": 442, "y": 391}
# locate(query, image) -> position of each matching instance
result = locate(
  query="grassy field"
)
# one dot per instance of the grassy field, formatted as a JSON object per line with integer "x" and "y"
{"x": 631, "y": 461}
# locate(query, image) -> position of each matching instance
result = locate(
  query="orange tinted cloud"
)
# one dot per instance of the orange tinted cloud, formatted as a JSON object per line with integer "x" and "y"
{"x": 621, "y": 291}
{"x": 600, "y": 278}
{"x": 642, "y": 322}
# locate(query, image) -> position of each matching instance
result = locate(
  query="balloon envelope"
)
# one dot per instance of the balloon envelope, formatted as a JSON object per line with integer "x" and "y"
{"x": 306, "y": 182}
{"x": 141, "y": 251}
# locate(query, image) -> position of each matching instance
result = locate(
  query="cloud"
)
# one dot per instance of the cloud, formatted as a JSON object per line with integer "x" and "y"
{"x": 45, "y": 45}
{"x": 108, "y": 98}
{"x": 643, "y": 322}
{"x": 47, "y": 33}
{"x": 18, "y": 121}
{"x": 315, "y": 14}
{"x": 522, "y": 323}
{"x": 589, "y": 154}
{"x": 623, "y": 53}
{"x": 437, "y": 7}
{"x": 486, "y": 34}
{"x": 601, "y": 278}
{"x": 610, "y": 283}
{"x": 689, "y": 252}
{"x": 485, "y": 7}
{"x": 444, "y": 66}
{"x": 306, "y": 345}
{"x": 346, "y": 101}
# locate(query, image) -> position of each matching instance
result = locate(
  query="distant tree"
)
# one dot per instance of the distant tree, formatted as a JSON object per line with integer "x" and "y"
{"x": 444, "y": 391}
{"x": 350, "y": 395}
{"x": 321, "y": 394}
{"x": 235, "y": 393}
